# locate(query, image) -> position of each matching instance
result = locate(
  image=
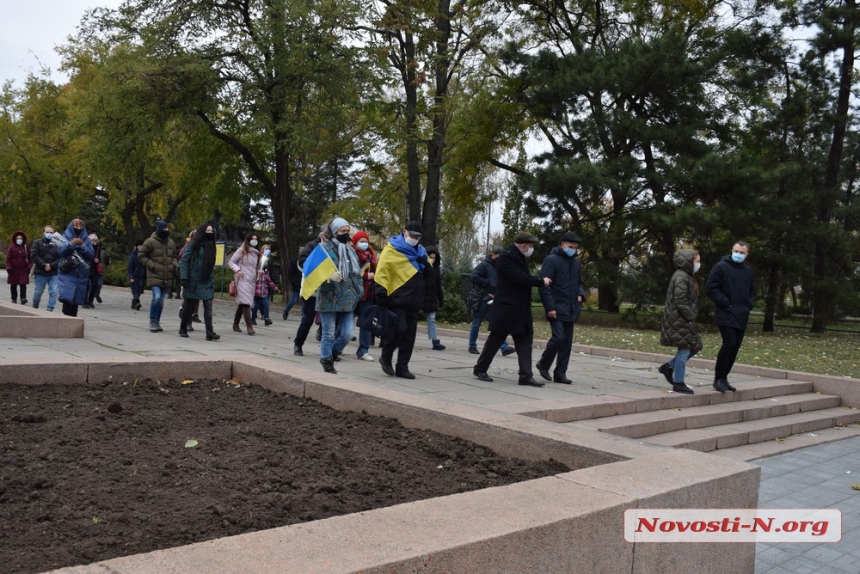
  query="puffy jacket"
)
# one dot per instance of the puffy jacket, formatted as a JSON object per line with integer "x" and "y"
{"x": 730, "y": 287}
{"x": 433, "y": 294}
{"x": 159, "y": 257}
{"x": 190, "y": 272}
{"x": 562, "y": 296}
{"x": 682, "y": 305}
{"x": 73, "y": 283}
{"x": 247, "y": 283}
{"x": 44, "y": 253}
{"x": 18, "y": 261}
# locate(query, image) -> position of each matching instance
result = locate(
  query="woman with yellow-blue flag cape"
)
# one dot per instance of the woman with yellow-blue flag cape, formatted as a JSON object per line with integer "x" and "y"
{"x": 400, "y": 288}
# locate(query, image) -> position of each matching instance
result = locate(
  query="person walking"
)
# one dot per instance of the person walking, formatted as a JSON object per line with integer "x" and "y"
{"x": 512, "y": 309}
{"x": 294, "y": 277}
{"x": 101, "y": 260}
{"x": 562, "y": 302}
{"x": 433, "y": 294}
{"x": 18, "y": 264}
{"x": 483, "y": 279}
{"x": 76, "y": 256}
{"x": 136, "y": 275}
{"x": 308, "y": 302}
{"x": 678, "y": 328}
{"x": 158, "y": 255}
{"x": 367, "y": 260}
{"x": 244, "y": 265}
{"x": 262, "y": 289}
{"x": 400, "y": 288}
{"x": 195, "y": 303}
{"x": 339, "y": 295}
{"x": 45, "y": 259}
{"x": 196, "y": 268}
{"x": 730, "y": 287}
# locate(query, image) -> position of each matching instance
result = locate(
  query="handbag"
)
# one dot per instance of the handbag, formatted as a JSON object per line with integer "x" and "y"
{"x": 232, "y": 290}
{"x": 67, "y": 264}
{"x": 100, "y": 269}
{"x": 379, "y": 321}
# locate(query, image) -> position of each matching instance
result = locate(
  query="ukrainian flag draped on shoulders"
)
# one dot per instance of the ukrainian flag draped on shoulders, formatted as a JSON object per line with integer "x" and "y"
{"x": 398, "y": 263}
{"x": 317, "y": 268}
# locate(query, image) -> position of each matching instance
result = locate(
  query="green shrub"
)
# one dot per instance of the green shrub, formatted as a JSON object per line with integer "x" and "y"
{"x": 453, "y": 309}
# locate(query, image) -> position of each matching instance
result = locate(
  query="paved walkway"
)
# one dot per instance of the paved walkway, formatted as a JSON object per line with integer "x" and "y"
{"x": 816, "y": 476}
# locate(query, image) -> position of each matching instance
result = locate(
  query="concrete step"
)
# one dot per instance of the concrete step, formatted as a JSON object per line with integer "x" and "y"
{"x": 650, "y": 423}
{"x": 753, "y": 451}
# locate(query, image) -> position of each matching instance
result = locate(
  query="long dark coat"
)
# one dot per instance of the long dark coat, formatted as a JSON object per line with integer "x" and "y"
{"x": 511, "y": 311}
{"x": 682, "y": 305}
{"x": 433, "y": 294}
{"x": 190, "y": 275}
{"x": 18, "y": 261}
{"x": 730, "y": 287}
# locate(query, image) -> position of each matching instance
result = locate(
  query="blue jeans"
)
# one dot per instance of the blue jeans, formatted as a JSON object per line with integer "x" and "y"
{"x": 261, "y": 304}
{"x": 364, "y": 335}
{"x": 157, "y": 305}
{"x": 294, "y": 298}
{"x": 53, "y": 282}
{"x": 679, "y": 363}
{"x": 336, "y": 332}
{"x": 431, "y": 325}
{"x": 483, "y": 313}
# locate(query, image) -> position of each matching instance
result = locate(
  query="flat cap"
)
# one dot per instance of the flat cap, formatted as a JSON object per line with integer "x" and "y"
{"x": 570, "y": 237}
{"x": 525, "y": 237}
{"x": 415, "y": 227}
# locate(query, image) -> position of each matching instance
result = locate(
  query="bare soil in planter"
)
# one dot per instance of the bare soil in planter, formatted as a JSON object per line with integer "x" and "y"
{"x": 92, "y": 472}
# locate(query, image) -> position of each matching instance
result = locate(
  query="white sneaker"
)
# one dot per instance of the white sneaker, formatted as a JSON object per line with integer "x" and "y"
{"x": 366, "y": 357}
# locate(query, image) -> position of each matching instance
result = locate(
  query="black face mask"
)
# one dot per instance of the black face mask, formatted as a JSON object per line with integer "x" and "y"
{"x": 163, "y": 233}
{"x": 208, "y": 236}
{"x": 343, "y": 237}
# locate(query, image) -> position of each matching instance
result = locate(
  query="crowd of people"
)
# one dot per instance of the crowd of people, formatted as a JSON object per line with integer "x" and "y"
{"x": 338, "y": 279}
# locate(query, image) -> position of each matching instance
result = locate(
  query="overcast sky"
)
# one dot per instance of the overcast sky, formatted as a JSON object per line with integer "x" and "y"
{"x": 30, "y": 30}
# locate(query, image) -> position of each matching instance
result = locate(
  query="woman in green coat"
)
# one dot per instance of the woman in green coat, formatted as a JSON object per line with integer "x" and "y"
{"x": 679, "y": 319}
{"x": 195, "y": 273}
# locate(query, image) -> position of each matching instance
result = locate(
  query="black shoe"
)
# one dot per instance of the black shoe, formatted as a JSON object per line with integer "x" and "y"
{"x": 335, "y": 355}
{"x": 482, "y": 375}
{"x": 24, "y": 301}
{"x": 189, "y": 328}
{"x": 268, "y": 322}
{"x": 158, "y": 326}
{"x": 212, "y": 336}
{"x": 721, "y": 385}
{"x": 328, "y": 365}
{"x": 285, "y": 314}
{"x": 729, "y": 386}
{"x": 562, "y": 380}
{"x": 404, "y": 373}
{"x": 386, "y": 367}
{"x": 137, "y": 306}
{"x": 682, "y": 388}
{"x": 474, "y": 350}
{"x": 544, "y": 373}
{"x": 196, "y": 318}
{"x": 508, "y": 351}
{"x": 183, "y": 333}
{"x": 87, "y": 306}
{"x": 297, "y": 351}
{"x": 253, "y": 321}
{"x": 98, "y": 298}
{"x": 530, "y": 382}
{"x": 667, "y": 373}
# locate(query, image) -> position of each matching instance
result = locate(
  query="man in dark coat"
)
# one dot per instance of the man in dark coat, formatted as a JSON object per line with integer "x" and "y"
{"x": 562, "y": 302}
{"x": 45, "y": 259}
{"x": 484, "y": 282}
{"x": 512, "y": 309}
{"x": 730, "y": 287}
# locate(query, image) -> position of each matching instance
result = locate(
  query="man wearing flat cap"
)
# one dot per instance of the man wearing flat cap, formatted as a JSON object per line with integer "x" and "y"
{"x": 562, "y": 302}
{"x": 511, "y": 312}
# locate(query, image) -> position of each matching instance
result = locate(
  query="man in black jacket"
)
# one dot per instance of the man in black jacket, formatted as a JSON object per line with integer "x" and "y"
{"x": 45, "y": 268}
{"x": 512, "y": 309}
{"x": 562, "y": 302}
{"x": 483, "y": 279}
{"x": 309, "y": 304}
{"x": 730, "y": 287}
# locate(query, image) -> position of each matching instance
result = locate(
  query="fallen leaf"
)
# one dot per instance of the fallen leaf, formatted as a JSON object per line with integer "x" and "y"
{"x": 190, "y": 443}
{"x": 855, "y": 486}
{"x": 187, "y": 381}
{"x": 234, "y": 381}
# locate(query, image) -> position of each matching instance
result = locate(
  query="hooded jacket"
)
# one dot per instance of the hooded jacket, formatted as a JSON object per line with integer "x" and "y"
{"x": 562, "y": 296}
{"x": 433, "y": 294}
{"x": 730, "y": 287}
{"x": 18, "y": 261}
{"x": 367, "y": 260}
{"x": 682, "y": 305}
{"x": 74, "y": 282}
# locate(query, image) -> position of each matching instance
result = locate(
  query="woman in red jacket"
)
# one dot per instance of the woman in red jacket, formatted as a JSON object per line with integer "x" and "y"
{"x": 18, "y": 264}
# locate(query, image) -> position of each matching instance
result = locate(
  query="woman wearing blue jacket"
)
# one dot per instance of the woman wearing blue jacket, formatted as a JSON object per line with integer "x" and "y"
{"x": 76, "y": 257}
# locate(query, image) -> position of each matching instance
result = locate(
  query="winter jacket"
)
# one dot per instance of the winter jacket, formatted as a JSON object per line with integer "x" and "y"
{"x": 410, "y": 294}
{"x": 74, "y": 282}
{"x": 512, "y": 306}
{"x": 264, "y": 286}
{"x": 135, "y": 268}
{"x": 730, "y": 287}
{"x": 18, "y": 261}
{"x": 159, "y": 257}
{"x": 44, "y": 252}
{"x": 562, "y": 296}
{"x": 682, "y": 305}
{"x": 103, "y": 256}
{"x": 190, "y": 271}
{"x": 342, "y": 296}
{"x": 367, "y": 260}
{"x": 433, "y": 294}
{"x": 246, "y": 284}
{"x": 294, "y": 276}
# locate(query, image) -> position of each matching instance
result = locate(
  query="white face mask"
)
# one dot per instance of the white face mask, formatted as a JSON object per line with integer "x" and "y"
{"x": 412, "y": 241}
{"x": 19, "y": 241}
{"x": 529, "y": 251}
{"x": 362, "y": 245}
{"x": 696, "y": 267}
{"x": 253, "y": 243}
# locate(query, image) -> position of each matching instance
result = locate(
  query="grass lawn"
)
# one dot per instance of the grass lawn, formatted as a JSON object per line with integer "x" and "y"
{"x": 832, "y": 353}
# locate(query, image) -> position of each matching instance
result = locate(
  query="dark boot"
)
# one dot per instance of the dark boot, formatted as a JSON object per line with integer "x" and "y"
{"x": 153, "y": 326}
{"x": 183, "y": 332}
{"x": 212, "y": 336}
{"x": 437, "y": 346}
{"x": 667, "y": 372}
{"x": 236, "y": 318}
{"x": 328, "y": 365}
{"x": 246, "y": 313}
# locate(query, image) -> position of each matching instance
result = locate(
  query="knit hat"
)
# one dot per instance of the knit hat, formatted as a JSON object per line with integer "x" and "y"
{"x": 161, "y": 225}
{"x": 359, "y": 235}
{"x": 337, "y": 223}
{"x": 525, "y": 237}
{"x": 414, "y": 228}
{"x": 570, "y": 237}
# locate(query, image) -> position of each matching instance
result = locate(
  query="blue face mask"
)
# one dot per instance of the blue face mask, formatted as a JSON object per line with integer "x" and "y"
{"x": 738, "y": 257}
{"x": 569, "y": 251}
{"x": 49, "y": 236}
{"x": 266, "y": 252}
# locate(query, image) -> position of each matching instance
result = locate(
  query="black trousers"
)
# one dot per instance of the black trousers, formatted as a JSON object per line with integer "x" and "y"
{"x": 308, "y": 312}
{"x": 70, "y": 310}
{"x": 189, "y": 307}
{"x": 732, "y": 339}
{"x": 523, "y": 345}
{"x": 558, "y": 346}
{"x": 403, "y": 340}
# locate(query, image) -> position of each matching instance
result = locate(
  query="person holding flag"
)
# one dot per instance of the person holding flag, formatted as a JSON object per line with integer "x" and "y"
{"x": 400, "y": 288}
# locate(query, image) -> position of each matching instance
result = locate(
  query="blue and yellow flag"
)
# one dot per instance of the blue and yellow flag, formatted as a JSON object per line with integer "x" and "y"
{"x": 397, "y": 264}
{"x": 317, "y": 268}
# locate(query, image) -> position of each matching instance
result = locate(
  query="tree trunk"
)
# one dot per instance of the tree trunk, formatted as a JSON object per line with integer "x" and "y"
{"x": 771, "y": 298}
{"x": 410, "y": 85}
